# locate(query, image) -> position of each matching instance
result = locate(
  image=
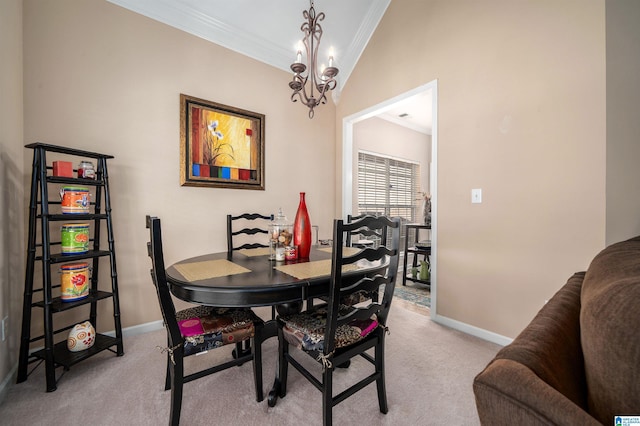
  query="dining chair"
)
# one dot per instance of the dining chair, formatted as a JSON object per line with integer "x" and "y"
{"x": 370, "y": 235}
{"x": 332, "y": 333}
{"x": 198, "y": 329}
{"x": 240, "y": 237}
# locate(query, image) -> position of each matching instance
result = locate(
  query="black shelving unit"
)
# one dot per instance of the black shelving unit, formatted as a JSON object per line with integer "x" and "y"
{"x": 413, "y": 246}
{"x": 40, "y": 250}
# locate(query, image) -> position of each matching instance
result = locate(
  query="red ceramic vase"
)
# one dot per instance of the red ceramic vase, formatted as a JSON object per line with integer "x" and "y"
{"x": 302, "y": 229}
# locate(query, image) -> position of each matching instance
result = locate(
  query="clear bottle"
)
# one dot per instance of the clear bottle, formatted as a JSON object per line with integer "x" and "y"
{"x": 280, "y": 236}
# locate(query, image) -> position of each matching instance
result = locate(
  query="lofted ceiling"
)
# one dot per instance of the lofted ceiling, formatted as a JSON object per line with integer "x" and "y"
{"x": 269, "y": 31}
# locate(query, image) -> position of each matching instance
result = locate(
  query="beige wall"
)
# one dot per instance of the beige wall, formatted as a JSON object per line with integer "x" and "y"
{"x": 102, "y": 78}
{"x": 623, "y": 126}
{"x": 521, "y": 114}
{"x": 11, "y": 185}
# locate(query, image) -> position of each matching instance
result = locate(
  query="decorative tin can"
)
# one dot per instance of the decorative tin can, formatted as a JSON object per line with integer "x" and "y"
{"x": 75, "y": 199}
{"x": 75, "y": 238}
{"x": 74, "y": 281}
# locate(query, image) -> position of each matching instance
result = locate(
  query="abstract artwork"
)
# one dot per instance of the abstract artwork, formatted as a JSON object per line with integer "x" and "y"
{"x": 220, "y": 146}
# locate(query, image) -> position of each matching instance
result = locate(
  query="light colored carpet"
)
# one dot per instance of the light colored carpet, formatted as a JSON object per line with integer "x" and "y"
{"x": 430, "y": 369}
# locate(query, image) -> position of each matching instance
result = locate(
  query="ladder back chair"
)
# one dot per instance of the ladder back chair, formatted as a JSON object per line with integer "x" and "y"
{"x": 364, "y": 233}
{"x": 199, "y": 329}
{"x": 234, "y": 235}
{"x": 243, "y": 236}
{"x": 334, "y": 332}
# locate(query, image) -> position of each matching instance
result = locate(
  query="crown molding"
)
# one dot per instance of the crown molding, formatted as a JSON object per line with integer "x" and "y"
{"x": 210, "y": 29}
{"x": 361, "y": 39}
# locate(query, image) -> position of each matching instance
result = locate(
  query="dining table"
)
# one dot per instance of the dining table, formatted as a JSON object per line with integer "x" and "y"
{"x": 248, "y": 278}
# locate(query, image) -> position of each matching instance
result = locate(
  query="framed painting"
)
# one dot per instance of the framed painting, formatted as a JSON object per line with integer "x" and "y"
{"x": 220, "y": 146}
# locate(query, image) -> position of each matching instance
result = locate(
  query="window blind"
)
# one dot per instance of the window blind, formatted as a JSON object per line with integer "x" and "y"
{"x": 388, "y": 186}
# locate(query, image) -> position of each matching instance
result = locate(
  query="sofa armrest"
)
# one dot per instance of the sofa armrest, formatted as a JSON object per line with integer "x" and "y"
{"x": 508, "y": 393}
{"x": 541, "y": 373}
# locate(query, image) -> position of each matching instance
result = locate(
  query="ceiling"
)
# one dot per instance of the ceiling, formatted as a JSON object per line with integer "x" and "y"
{"x": 270, "y": 34}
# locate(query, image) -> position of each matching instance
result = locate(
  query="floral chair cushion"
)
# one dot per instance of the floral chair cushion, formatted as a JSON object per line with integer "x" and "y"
{"x": 205, "y": 327}
{"x": 306, "y": 330}
{"x": 356, "y": 298}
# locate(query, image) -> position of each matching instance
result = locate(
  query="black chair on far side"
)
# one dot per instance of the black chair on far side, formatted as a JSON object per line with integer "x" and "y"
{"x": 248, "y": 237}
{"x": 335, "y": 332}
{"x": 365, "y": 234}
{"x": 260, "y": 228}
{"x": 199, "y": 329}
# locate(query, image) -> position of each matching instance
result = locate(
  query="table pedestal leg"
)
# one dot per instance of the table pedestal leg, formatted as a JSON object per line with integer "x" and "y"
{"x": 282, "y": 309}
{"x": 274, "y": 393}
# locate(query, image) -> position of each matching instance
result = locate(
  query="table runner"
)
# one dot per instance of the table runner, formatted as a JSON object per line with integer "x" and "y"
{"x": 346, "y": 251}
{"x": 262, "y": 251}
{"x": 209, "y": 269}
{"x": 316, "y": 268}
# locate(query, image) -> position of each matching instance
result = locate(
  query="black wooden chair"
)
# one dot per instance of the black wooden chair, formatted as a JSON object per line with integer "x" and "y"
{"x": 234, "y": 236}
{"x": 244, "y": 236}
{"x": 199, "y": 329}
{"x": 366, "y": 234}
{"x": 334, "y": 332}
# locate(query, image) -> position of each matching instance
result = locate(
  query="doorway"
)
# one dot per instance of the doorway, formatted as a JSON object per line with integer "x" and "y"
{"x": 382, "y": 110}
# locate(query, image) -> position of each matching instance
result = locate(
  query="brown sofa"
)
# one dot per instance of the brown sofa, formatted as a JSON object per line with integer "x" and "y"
{"x": 578, "y": 361}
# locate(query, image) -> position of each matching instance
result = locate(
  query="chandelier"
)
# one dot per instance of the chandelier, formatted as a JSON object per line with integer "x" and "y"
{"x": 320, "y": 81}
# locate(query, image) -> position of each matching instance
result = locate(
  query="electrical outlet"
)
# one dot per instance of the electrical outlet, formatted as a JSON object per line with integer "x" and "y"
{"x": 5, "y": 328}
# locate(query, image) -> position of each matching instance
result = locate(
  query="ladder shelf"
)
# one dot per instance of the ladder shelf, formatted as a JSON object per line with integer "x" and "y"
{"x": 39, "y": 251}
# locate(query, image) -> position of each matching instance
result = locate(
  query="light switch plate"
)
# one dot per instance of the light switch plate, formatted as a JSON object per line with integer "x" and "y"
{"x": 476, "y": 195}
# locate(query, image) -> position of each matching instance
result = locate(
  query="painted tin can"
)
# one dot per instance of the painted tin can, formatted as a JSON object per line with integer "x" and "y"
{"x": 75, "y": 238}
{"x": 75, "y": 199}
{"x": 74, "y": 281}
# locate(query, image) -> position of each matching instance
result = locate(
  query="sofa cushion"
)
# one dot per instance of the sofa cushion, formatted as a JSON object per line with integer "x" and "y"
{"x": 609, "y": 327}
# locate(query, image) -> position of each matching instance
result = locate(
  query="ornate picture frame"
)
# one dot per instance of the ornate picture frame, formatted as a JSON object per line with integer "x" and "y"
{"x": 220, "y": 146}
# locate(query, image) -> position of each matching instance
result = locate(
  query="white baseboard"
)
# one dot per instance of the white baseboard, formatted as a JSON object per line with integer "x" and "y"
{"x": 138, "y": 329}
{"x": 472, "y": 330}
{"x": 7, "y": 382}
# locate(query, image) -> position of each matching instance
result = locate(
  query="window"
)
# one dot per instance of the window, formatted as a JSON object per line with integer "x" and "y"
{"x": 388, "y": 186}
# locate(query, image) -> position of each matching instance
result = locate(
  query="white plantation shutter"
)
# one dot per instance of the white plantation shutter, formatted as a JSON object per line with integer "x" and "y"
{"x": 388, "y": 186}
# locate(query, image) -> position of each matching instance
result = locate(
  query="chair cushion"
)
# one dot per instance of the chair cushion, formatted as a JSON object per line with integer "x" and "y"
{"x": 206, "y": 327}
{"x": 355, "y": 298}
{"x": 306, "y": 329}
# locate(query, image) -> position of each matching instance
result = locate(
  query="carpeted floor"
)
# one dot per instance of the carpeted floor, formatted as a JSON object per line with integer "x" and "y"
{"x": 430, "y": 370}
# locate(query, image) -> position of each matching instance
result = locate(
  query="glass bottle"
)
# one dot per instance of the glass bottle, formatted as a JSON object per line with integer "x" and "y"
{"x": 86, "y": 170}
{"x": 280, "y": 236}
{"x": 302, "y": 229}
